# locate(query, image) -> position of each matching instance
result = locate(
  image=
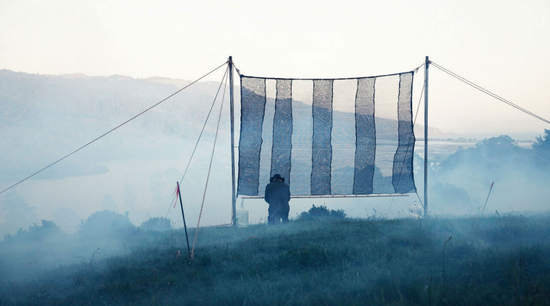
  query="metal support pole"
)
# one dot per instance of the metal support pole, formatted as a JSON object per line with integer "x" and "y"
{"x": 426, "y": 65}
{"x": 232, "y": 114}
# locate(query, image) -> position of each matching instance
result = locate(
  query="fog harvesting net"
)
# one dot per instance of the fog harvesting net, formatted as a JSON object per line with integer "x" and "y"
{"x": 327, "y": 136}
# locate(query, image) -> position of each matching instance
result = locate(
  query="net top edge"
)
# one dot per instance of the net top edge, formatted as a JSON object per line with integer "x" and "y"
{"x": 325, "y": 79}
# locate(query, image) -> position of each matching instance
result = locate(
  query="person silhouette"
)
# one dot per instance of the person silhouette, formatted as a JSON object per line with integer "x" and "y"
{"x": 277, "y": 195}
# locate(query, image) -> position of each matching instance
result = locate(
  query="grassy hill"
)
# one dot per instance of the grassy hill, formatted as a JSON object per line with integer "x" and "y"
{"x": 498, "y": 260}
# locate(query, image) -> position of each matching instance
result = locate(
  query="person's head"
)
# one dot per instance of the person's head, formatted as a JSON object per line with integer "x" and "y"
{"x": 276, "y": 177}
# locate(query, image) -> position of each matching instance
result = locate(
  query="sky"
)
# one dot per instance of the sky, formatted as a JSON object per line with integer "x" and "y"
{"x": 500, "y": 45}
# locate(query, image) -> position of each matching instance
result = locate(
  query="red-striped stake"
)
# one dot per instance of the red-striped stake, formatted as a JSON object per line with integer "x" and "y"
{"x": 490, "y": 189}
{"x": 183, "y": 216}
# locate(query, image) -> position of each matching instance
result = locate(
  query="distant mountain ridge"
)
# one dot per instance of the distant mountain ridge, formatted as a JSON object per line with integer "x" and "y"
{"x": 106, "y": 98}
{"x": 25, "y": 97}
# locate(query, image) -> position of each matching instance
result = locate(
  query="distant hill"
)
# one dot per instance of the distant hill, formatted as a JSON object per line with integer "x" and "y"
{"x": 28, "y": 97}
{"x": 57, "y": 114}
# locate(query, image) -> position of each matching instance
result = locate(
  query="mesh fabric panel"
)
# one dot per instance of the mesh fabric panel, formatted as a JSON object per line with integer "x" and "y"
{"x": 327, "y": 137}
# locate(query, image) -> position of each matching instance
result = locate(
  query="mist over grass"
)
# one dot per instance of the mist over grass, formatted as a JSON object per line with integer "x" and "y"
{"x": 29, "y": 253}
{"x": 460, "y": 184}
{"x": 494, "y": 260}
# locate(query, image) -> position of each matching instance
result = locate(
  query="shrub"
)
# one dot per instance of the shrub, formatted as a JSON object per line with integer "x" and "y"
{"x": 36, "y": 233}
{"x": 105, "y": 224}
{"x": 319, "y": 212}
{"x": 157, "y": 224}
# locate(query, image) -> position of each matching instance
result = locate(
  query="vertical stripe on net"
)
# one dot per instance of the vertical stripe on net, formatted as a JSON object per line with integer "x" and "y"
{"x": 282, "y": 131}
{"x": 252, "y": 116}
{"x": 365, "y": 137}
{"x": 403, "y": 180}
{"x": 267, "y": 134}
{"x": 322, "y": 129}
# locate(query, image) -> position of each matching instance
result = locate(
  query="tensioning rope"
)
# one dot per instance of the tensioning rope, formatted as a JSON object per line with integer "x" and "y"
{"x": 414, "y": 123}
{"x": 198, "y": 140}
{"x": 208, "y": 175}
{"x": 113, "y": 129}
{"x": 468, "y": 82}
{"x": 488, "y": 92}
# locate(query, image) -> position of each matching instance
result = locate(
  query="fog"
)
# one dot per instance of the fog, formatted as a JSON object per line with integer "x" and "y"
{"x": 96, "y": 203}
{"x": 104, "y": 201}
{"x": 135, "y": 168}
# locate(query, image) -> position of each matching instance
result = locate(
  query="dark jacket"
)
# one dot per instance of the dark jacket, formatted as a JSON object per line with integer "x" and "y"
{"x": 277, "y": 194}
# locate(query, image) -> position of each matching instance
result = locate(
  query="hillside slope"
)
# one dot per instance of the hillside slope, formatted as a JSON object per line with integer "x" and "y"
{"x": 470, "y": 261}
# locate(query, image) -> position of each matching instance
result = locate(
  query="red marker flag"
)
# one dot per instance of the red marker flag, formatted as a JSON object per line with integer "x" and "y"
{"x": 177, "y": 193}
